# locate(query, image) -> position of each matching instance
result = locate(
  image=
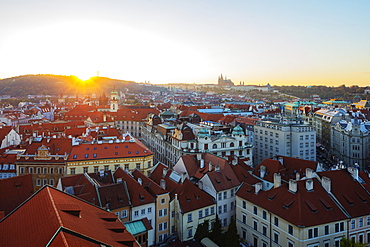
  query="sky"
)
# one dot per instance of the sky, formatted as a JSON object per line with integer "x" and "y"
{"x": 281, "y": 42}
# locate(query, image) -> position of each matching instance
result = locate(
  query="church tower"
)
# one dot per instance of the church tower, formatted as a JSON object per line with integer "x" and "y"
{"x": 114, "y": 101}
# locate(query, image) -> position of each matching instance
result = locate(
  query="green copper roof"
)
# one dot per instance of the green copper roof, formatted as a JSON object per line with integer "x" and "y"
{"x": 135, "y": 227}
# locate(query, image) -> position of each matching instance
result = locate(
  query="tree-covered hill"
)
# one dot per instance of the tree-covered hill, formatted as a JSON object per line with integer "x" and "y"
{"x": 22, "y": 86}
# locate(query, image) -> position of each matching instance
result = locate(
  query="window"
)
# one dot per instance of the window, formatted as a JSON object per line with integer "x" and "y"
{"x": 138, "y": 166}
{"x": 30, "y": 170}
{"x": 244, "y": 218}
{"x": 73, "y": 170}
{"x": 45, "y": 181}
{"x": 38, "y": 182}
{"x": 276, "y": 237}
{"x": 143, "y": 212}
{"x": 231, "y": 192}
{"x": 86, "y": 169}
{"x": 51, "y": 181}
{"x": 124, "y": 213}
{"x": 96, "y": 169}
{"x": 353, "y": 224}
{"x": 244, "y": 204}
{"x": 126, "y": 167}
{"x": 219, "y": 196}
{"x": 219, "y": 210}
{"x": 116, "y": 167}
{"x": 190, "y": 232}
{"x": 264, "y": 215}
{"x": 162, "y": 212}
{"x": 360, "y": 222}
{"x": 212, "y": 210}
{"x": 106, "y": 168}
{"x": 255, "y": 225}
{"x": 21, "y": 170}
{"x": 136, "y": 213}
{"x": 60, "y": 170}
{"x": 149, "y": 164}
{"x": 225, "y": 208}
{"x": 190, "y": 217}
{"x": 255, "y": 210}
{"x": 276, "y": 221}
{"x": 264, "y": 230}
{"x": 232, "y": 206}
{"x": 86, "y": 156}
{"x": 225, "y": 195}
{"x": 118, "y": 214}
{"x": 290, "y": 229}
{"x": 38, "y": 170}
{"x": 149, "y": 210}
{"x": 326, "y": 230}
{"x": 200, "y": 214}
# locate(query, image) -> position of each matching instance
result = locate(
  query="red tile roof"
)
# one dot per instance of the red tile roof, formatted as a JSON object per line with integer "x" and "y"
{"x": 138, "y": 195}
{"x": 153, "y": 188}
{"x": 4, "y": 131}
{"x": 303, "y": 208}
{"x": 109, "y": 151}
{"x": 189, "y": 195}
{"x": 50, "y": 211}
{"x": 14, "y": 191}
{"x": 349, "y": 192}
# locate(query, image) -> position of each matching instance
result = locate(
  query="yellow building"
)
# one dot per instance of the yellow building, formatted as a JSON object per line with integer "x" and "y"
{"x": 128, "y": 154}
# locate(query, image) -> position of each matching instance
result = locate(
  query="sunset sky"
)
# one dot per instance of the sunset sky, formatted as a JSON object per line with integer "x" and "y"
{"x": 162, "y": 41}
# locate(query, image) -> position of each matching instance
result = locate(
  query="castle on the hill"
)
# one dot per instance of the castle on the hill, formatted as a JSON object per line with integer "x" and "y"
{"x": 224, "y": 82}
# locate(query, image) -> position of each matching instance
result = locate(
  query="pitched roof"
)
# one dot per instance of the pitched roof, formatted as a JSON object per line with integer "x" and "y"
{"x": 50, "y": 212}
{"x": 304, "y": 208}
{"x": 138, "y": 195}
{"x": 114, "y": 150}
{"x": 221, "y": 175}
{"x": 4, "y": 131}
{"x": 14, "y": 191}
{"x": 189, "y": 195}
{"x": 153, "y": 188}
{"x": 349, "y": 192}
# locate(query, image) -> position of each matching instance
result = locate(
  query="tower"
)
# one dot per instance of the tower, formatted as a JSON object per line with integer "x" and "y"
{"x": 114, "y": 101}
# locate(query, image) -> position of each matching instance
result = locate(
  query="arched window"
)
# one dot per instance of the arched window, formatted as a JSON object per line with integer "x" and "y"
{"x": 214, "y": 146}
{"x": 231, "y": 144}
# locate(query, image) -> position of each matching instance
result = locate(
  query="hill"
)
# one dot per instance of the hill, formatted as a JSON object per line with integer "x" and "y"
{"x": 22, "y": 86}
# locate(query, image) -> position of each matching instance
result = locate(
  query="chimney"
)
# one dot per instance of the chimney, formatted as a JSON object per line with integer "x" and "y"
{"x": 202, "y": 163}
{"x": 164, "y": 172}
{"x": 183, "y": 177}
{"x": 277, "y": 180}
{"x": 309, "y": 184}
{"x": 326, "y": 183}
{"x": 281, "y": 160}
{"x": 262, "y": 171}
{"x": 354, "y": 172}
{"x": 309, "y": 173}
{"x": 163, "y": 184}
{"x": 210, "y": 166}
{"x": 293, "y": 185}
{"x": 200, "y": 185}
{"x": 235, "y": 161}
{"x": 140, "y": 181}
{"x": 257, "y": 187}
{"x": 297, "y": 176}
{"x": 199, "y": 156}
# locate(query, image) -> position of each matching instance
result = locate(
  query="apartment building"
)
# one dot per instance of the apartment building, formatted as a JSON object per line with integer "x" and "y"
{"x": 286, "y": 137}
{"x": 350, "y": 142}
{"x": 298, "y": 213}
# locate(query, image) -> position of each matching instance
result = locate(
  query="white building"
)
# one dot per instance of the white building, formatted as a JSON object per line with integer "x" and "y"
{"x": 350, "y": 142}
{"x": 286, "y": 137}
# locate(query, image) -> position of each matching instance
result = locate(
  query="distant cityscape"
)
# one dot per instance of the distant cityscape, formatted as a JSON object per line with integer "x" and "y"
{"x": 223, "y": 164}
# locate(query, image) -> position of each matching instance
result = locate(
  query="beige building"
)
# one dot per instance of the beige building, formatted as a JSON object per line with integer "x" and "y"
{"x": 295, "y": 214}
{"x": 129, "y": 154}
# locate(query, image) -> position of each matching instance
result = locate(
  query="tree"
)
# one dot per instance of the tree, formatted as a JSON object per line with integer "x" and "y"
{"x": 216, "y": 232}
{"x": 231, "y": 235}
{"x": 202, "y": 231}
{"x": 345, "y": 242}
